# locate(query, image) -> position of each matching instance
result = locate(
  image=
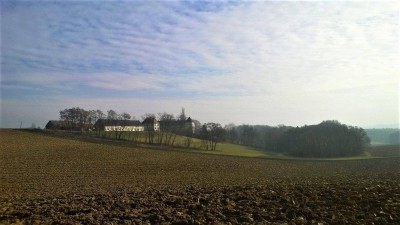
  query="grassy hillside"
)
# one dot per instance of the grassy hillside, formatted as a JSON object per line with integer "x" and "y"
{"x": 139, "y": 139}
{"x": 232, "y": 150}
{"x": 180, "y": 143}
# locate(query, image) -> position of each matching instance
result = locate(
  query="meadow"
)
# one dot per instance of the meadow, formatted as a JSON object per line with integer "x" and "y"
{"x": 229, "y": 149}
{"x": 47, "y": 179}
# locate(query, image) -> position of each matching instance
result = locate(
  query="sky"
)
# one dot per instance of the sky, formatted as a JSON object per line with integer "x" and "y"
{"x": 241, "y": 62}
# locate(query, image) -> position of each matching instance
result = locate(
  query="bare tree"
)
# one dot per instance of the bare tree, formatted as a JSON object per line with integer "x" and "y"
{"x": 165, "y": 117}
{"x": 188, "y": 140}
{"x": 125, "y": 116}
{"x": 67, "y": 116}
{"x": 148, "y": 115}
{"x": 169, "y": 128}
{"x": 83, "y": 116}
{"x": 112, "y": 115}
{"x": 96, "y": 115}
{"x": 121, "y": 124}
{"x": 182, "y": 116}
{"x": 75, "y": 117}
{"x": 149, "y": 128}
{"x": 92, "y": 118}
{"x": 231, "y": 132}
{"x": 100, "y": 114}
{"x": 212, "y": 133}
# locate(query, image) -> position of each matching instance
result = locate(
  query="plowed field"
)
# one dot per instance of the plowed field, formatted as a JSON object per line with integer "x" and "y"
{"x": 51, "y": 180}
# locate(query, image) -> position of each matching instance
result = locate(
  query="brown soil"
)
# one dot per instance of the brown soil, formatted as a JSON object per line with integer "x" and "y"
{"x": 50, "y": 180}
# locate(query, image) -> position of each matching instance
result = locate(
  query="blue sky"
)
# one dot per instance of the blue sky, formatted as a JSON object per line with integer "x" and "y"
{"x": 253, "y": 62}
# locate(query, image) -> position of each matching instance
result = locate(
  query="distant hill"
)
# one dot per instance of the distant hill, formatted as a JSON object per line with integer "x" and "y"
{"x": 384, "y": 136}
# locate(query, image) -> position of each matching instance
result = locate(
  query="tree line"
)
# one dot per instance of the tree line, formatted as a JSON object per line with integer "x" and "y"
{"x": 257, "y": 136}
{"x": 384, "y": 136}
{"x": 327, "y": 139}
{"x": 170, "y": 127}
{"x": 78, "y": 118}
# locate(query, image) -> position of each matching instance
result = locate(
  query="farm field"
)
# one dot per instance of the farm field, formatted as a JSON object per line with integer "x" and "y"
{"x": 46, "y": 179}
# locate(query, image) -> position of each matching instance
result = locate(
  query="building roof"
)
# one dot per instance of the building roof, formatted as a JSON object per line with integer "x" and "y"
{"x": 57, "y": 122}
{"x": 149, "y": 120}
{"x": 111, "y": 122}
{"x": 59, "y": 125}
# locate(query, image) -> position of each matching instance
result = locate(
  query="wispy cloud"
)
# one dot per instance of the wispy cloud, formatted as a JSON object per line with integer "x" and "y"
{"x": 260, "y": 52}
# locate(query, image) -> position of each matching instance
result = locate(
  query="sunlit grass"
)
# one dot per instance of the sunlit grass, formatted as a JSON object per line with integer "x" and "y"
{"x": 236, "y": 150}
{"x": 246, "y": 151}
